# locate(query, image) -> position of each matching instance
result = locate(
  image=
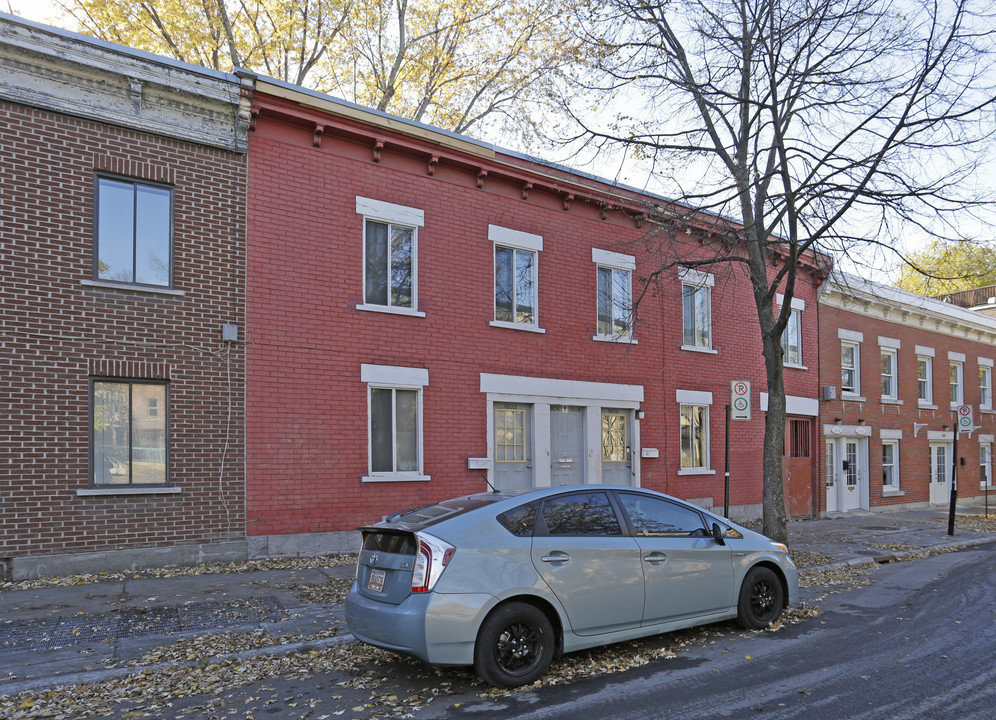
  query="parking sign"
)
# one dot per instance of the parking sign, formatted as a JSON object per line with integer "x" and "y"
{"x": 740, "y": 400}
{"x": 966, "y": 419}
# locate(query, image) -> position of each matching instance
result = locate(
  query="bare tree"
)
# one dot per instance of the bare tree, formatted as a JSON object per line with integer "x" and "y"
{"x": 818, "y": 126}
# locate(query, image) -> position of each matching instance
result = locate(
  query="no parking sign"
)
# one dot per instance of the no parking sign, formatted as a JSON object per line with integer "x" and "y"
{"x": 966, "y": 419}
{"x": 740, "y": 400}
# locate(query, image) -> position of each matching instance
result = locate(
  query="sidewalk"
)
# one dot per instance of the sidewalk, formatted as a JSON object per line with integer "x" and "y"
{"x": 105, "y": 630}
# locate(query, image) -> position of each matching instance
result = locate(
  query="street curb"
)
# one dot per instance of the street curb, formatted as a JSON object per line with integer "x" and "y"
{"x": 886, "y": 559}
{"x": 95, "y": 676}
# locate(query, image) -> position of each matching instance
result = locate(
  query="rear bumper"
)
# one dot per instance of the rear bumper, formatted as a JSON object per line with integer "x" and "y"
{"x": 439, "y": 629}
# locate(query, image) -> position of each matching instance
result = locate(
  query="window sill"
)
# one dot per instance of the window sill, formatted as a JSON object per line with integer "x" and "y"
{"x": 517, "y": 326}
{"x": 987, "y": 411}
{"x": 396, "y": 477}
{"x": 615, "y": 339}
{"x": 852, "y": 397}
{"x": 390, "y": 310}
{"x": 123, "y": 490}
{"x": 696, "y": 471}
{"x": 893, "y": 493}
{"x": 926, "y": 406}
{"x": 987, "y": 488}
{"x": 955, "y": 405}
{"x": 890, "y": 401}
{"x": 793, "y": 366}
{"x": 150, "y": 289}
{"x": 696, "y": 348}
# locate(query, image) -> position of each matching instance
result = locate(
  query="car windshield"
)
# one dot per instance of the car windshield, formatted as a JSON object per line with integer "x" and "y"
{"x": 426, "y": 515}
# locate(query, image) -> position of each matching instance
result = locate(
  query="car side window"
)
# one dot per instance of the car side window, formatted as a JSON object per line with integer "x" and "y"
{"x": 581, "y": 514}
{"x": 521, "y": 520}
{"x": 655, "y": 517}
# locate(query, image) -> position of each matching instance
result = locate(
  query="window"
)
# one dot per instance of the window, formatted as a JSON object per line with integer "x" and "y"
{"x": 890, "y": 465}
{"x": 696, "y": 308}
{"x": 584, "y": 514}
{"x": 516, "y": 254}
{"x": 889, "y": 388}
{"x": 390, "y": 256}
{"x": 957, "y": 382}
{"x": 986, "y": 464}
{"x": 395, "y": 421}
{"x": 985, "y": 385}
{"x": 128, "y": 446}
{"x": 510, "y": 435}
{"x": 792, "y": 339}
{"x": 614, "y": 273}
{"x": 134, "y": 232}
{"x": 850, "y": 381}
{"x": 615, "y": 438}
{"x": 694, "y": 437}
{"x": 924, "y": 380}
{"x": 660, "y": 518}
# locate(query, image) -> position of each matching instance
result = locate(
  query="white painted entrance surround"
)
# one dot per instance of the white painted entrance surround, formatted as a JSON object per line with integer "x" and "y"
{"x": 577, "y": 403}
{"x": 847, "y": 467}
{"x": 941, "y": 448}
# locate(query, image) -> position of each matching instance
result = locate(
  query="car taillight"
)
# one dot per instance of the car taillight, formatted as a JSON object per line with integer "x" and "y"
{"x": 431, "y": 559}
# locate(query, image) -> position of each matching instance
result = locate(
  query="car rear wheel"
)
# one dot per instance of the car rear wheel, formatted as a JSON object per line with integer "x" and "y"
{"x": 761, "y": 599}
{"x": 514, "y": 646}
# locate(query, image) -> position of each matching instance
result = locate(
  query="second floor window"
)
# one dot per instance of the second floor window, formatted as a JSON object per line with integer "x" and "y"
{"x": 134, "y": 232}
{"x": 792, "y": 339}
{"x": 515, "y": 286}
{"x": 849, "y": 360}
{"x": 924, "y": 381}
{"x": 957, "y": 383}
{"x": 696, "y": 309}
{"x": 985, "y": 387}
{"x": 889, "y": 389}
{"x": 390, "y": 256}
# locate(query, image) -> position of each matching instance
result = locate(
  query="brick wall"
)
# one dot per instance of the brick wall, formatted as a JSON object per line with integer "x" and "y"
{"x": 307, "y": 436}
{"x": 57, "y": 332}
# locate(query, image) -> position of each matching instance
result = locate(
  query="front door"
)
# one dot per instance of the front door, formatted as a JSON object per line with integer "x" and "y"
{"x": 513, "y": 468}
{"x": 617, "y": 455}
{"x": 567, "y": 460}
{"x": 852, "y": 475}
{"x": 940, "y": 473}
{"x": 798, "y": 465}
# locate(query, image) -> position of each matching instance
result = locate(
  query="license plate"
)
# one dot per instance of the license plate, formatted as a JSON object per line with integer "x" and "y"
{"x": 376, "y": 581}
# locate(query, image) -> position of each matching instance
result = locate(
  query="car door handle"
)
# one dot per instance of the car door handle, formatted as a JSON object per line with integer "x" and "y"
{"x": 655, "y": 558}
{"x": 556, "y": 557}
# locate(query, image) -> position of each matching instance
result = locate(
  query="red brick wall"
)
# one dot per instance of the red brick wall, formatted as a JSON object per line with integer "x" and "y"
{"x": 914, "y": 447}
{"x": 307, "y": 433}
{"x": 56, "y": 333}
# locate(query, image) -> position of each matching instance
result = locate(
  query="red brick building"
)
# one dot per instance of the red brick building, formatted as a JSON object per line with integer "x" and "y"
{"x": 122, "y": 232}
{"x": 896, "y": 367}
{"x": 429, "y": 315}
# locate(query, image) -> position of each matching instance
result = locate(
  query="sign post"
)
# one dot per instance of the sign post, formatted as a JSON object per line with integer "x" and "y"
{"x": 966, "y": 424}
{"x": 738, "y": 409}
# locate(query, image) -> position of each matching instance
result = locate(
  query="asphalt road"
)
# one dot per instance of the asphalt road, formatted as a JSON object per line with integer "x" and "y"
{"x": 917, "y": 643}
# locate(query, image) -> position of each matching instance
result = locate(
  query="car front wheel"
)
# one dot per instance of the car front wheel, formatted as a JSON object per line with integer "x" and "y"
{"x": 514, "y": 646}
{"x": 761, "y": 599}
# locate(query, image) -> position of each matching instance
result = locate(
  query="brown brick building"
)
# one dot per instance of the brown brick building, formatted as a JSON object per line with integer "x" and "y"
{"x": 122, "y": 275}
{"x": 895, "y": 369}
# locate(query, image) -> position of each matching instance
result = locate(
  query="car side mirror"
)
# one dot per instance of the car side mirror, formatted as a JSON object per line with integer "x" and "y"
{"x": 718, "y": 534}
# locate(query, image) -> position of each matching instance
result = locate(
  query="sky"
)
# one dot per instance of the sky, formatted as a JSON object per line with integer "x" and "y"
{"x": 882, "y": 270}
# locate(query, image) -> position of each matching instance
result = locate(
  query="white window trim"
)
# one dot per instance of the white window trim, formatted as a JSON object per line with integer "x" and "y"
{"x": 614, "y": 261}
{"x": 696, "y": 277}
{"x": 707, "y": 468}
{"x": 380, "y": 211}
{"x": 956, "y": 356}
{"x": 928, "y": 402}
{"x": 893, "y": 353}
{"x": 528, "y": 242}
{"x": 925, "y": 351}
{"x": 398, "y": 378}
{"x": 986, "y": 453}
{"x": 895, "y": 488}
{"x": 698, "y": 280}
{"x": 856, "y": 393}
{"x": 850, "y": 335}
{"x": 952, "y": 362}
{"x": 798, "y": 306}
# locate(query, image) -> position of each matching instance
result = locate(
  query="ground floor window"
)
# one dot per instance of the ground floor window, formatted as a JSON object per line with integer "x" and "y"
{"x": 694, "y": 437}
{"x": 986, "y": 464}
{"x": 129, "y": 432}
{"x": 395, "y": 417}
{"x": 890, "y": 465}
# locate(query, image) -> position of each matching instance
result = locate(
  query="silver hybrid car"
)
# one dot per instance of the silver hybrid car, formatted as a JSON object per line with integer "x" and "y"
{"x": 504, "y": 582}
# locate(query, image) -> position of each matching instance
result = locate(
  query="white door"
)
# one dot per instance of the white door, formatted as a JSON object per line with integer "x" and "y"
{"x": 513, "y": 466}
{"x": 567, "y": 456}
{"x": 617, "y": 455}
{"x": 940, "y": 473}
{"x": 854, "y": 476}
{"x": 833, "y": 477}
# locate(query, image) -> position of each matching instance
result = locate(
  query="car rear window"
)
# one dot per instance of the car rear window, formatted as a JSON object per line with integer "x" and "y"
{"x": 427, "y": 515}
{"x": 580, "y": 515}
{"x": 395, "y": 543}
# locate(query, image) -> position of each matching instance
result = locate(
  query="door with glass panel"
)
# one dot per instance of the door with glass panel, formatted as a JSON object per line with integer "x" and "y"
{"x": 567, "y": 455}
{"x": 853, "y": 475}
{"x": 617, "y": 455}
{"x": 833, "y": 477}
{"x": 940, "y": 473}
{"x": 513, "y": 467}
